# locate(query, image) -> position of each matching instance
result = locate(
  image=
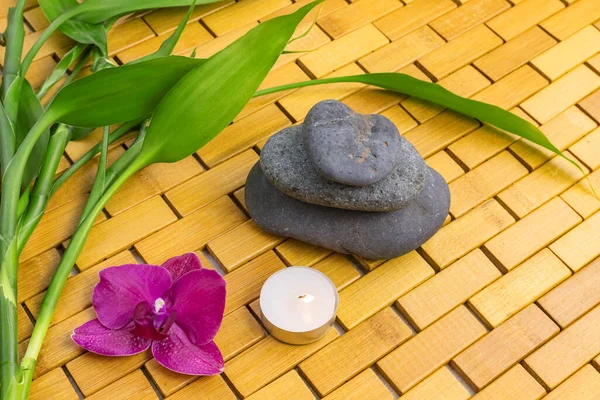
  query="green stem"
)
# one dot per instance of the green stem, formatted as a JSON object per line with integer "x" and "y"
{"x": 9, "y": 361}
{"x": 43, "y": 185}
{"x": 9, "y": 214}
{"x": 99, "y": 182}
{"x": 61, "y": 275}
{"x": 45, "y": 36}
{"x": 118, "y": 133}
{"x": 15, "y": 36}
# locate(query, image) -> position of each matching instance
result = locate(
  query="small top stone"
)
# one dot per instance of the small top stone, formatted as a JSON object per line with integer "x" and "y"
{"x": 350, "y": 148}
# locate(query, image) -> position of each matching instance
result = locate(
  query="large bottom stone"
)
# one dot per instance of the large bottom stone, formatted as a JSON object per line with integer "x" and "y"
{"x": 372, "y": 235}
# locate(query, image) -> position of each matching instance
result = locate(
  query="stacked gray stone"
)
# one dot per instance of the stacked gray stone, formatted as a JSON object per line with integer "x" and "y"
{"x": 347, "y": 182}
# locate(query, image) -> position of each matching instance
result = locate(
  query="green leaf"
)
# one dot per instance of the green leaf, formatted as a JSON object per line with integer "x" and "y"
{"x": 96, "y": 11}
{"x": 61, "y": 68}
{"x": 207, "y": 99}
{"x": 167, "y": 47}
{"x": 121, "y": 94}
{"x": 436, "y": 94}
{"x": 30, "y": 111}
{"x": 77, "y": 30}
{"x": 7, "y": 140}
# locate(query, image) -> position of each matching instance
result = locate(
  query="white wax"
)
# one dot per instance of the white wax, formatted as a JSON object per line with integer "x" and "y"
{"x": 298, "y": 299}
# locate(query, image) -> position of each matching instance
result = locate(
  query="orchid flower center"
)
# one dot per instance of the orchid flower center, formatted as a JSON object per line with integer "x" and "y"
{"x": 159, "y": 306}
{"x": 153, "y": 321}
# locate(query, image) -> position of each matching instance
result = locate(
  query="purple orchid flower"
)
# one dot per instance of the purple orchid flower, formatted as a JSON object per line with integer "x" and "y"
{"x": 177, "y": 308}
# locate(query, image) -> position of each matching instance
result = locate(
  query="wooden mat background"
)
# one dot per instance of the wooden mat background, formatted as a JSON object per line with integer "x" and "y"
{"x": 501, "y": 304}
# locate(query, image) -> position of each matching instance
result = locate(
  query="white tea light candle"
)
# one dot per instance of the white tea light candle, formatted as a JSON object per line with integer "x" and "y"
{"x": 298, "y": 305}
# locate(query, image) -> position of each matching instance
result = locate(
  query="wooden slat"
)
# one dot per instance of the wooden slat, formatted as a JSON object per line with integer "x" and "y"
{"x": 355, "y": 15}
{"x": 520, "y": 287}
{"x": 241, "y": 13}
{"x": 167, "y": 19}
{"x": 562, "y": 93}
{"x": 108, "y": 238}
{"x": 440, "y": 131}
{"x": 514, "y": 53}
{"x": 132, "y": 385}
{"x": 364, "y": 387}
{"x": 581, "y": 198}
{"x": 430, "y": 349}
{"x": 244, "y": 284}
{"x": 380, "y": 288}
{"x": 587, "y": 149}
{"x": 343, "y": 51}
{"x": 211, "y": 387}
{"x": 449, "y": 288}
{"x": 214, "y": 183}
{"x": 34, "y": 275}
{"x": 53, "y": 385}
{"x": 580, "y": 245}
{"x": 243, "y": 134}
{"x": 570, "y": 20}
{"x": 241, "y": 244}
{"x": 273, "y": 359}
{"x": 445, "y": 165}
{"x": 503, "y": 347}
{"x": 414, "y": 15}
{"x": 484, "y": 182}
{"x": 295, "y": 252}
{"x": 440, "y": 384}
{"x": 562, "y": 356}
{"x": 563, "y": 130}
{"x": 583, "y": 385}
{"x": 191, "y": 232}
{"x": 523, "y": 16}
{"x": 403, "y": 51}
{"x": 288, "y": 386}
{"x": 574, "y": 297}
{"x": 472, "y": 14}
{"x": 461, "y": 51}
{"x": 515, "y": 384}
{"x": 541, "y": 185}
{"x": 467, "y": 232}
{"x": 569, "y": 53}
{"x": 358, "y": 349}
{"x": 339, "y": 268}
{"x": 538, "y": 229}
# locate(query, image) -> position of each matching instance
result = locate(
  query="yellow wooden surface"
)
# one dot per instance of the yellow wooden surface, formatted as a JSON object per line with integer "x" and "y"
{"x": 502, "y": 303}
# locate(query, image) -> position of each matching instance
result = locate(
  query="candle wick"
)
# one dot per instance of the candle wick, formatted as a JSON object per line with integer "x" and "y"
{"x": 306, "y": 298}
{"x": 301, "y": 297}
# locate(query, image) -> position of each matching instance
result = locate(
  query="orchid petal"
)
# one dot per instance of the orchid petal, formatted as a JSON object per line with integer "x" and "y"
{"x": 178, "y": 354}
{"x": 198, "y": 297}
{"x": 122, "y": 288}
{"x": 179, "y": 266}
{"x": 95, "y": 337}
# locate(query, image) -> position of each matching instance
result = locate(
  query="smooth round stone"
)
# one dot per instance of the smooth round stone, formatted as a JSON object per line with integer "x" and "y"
{"x": 373, "y": 236}
{"x": 284, "y": 162}
{"x": 348, "y": 147}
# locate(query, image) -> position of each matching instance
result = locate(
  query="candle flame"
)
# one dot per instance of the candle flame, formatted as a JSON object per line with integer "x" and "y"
{"x": 307, "y": 298}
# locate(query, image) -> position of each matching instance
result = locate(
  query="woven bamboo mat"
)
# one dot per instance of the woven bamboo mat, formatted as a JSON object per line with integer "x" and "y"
{"x": 501, "y": 304}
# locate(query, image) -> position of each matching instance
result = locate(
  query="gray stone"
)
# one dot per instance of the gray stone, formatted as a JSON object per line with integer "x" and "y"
{"x": 371, "y": 235}
{"x": 284, "y": 162}
{"x": 348, "y": 147}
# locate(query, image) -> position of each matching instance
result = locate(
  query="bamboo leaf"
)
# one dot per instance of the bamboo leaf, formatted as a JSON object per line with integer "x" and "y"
{"x": 30, "y": 111}
{"x": 436, "y": 94}
{"x": 96, "y": 11}
{"x": 167, "y": 47}
{"x": 7, "y": 140}
{"x": 116, "y": 95}
{"x": 77, "y": 30}
{"x": 207, "y": 99}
